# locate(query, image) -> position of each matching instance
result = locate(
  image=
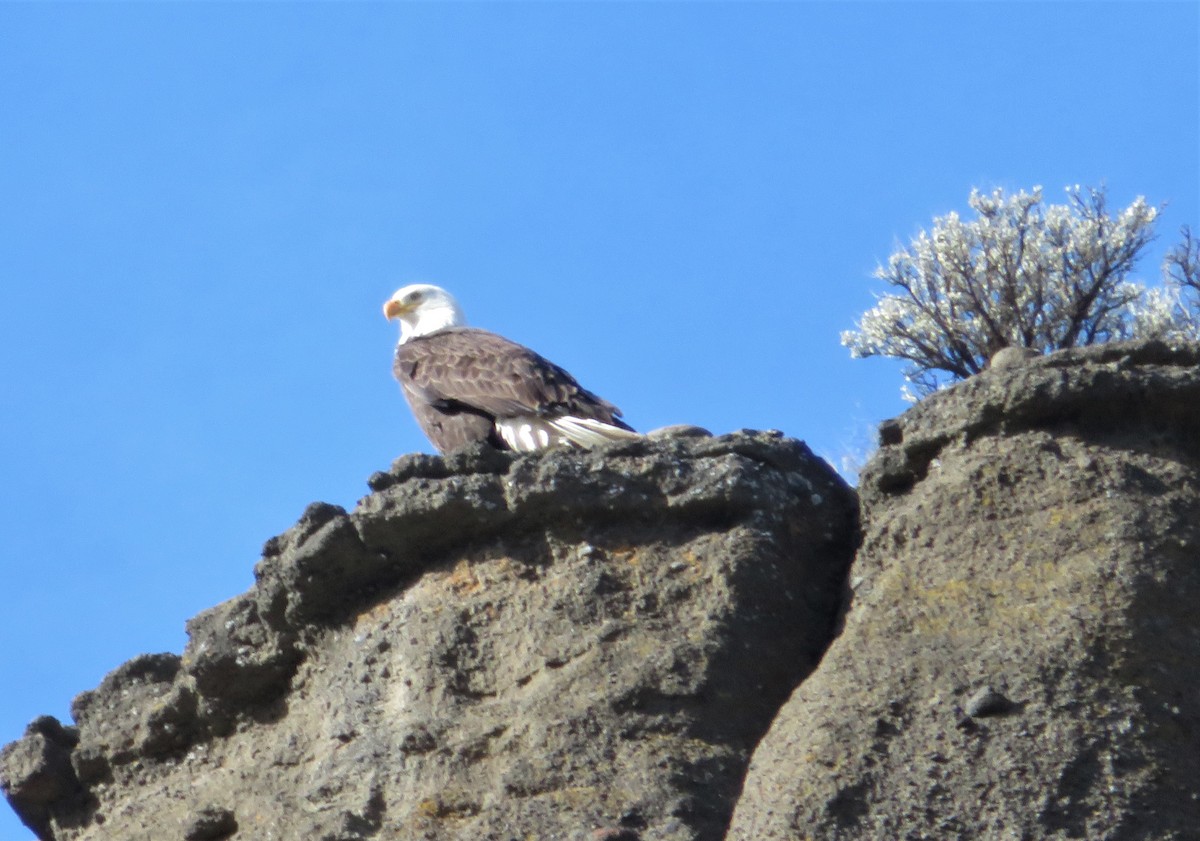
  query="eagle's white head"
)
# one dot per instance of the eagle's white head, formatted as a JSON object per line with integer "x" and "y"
{"x": 423, "y": 309}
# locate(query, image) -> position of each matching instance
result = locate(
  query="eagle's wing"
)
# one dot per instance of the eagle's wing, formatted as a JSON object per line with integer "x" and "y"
{"x": 472, "y": 370}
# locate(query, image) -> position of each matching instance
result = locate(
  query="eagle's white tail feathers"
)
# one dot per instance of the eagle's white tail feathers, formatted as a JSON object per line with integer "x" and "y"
{"x": 526, "y": 434}
{"x": 586, "y": 432}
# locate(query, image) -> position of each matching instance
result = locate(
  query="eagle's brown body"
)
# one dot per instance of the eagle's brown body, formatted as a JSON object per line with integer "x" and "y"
{"x": 463, "y": 384}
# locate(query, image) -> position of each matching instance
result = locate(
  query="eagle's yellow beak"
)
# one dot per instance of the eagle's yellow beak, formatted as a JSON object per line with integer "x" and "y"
{"x": 394, "y": 309}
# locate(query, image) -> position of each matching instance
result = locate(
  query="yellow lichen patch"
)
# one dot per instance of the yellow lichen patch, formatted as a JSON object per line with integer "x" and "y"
{"x": 443, "y": 808}
{"x": 375, "y": 615}
{"x": 631, "y": 556}
{"x": 507, "y": 567}
{"x": 955, "y": 590}
{"x": 463, "y": 580}
{"x": 689, "y": 557}
{"x": 574, "y": 797}
{"x": 429, "y": 808}
{"x": 1020, "y": 594}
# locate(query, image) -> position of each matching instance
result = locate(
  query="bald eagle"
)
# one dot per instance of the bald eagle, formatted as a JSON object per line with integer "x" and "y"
{"x": 466, "y": 385}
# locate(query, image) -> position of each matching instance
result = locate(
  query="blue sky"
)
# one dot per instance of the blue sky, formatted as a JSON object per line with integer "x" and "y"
{"x": 205, "y": 205}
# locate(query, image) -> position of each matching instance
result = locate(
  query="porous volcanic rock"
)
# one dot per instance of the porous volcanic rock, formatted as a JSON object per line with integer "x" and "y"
{"x": 568, "y": 645}
{"x": 1022, "y": 655}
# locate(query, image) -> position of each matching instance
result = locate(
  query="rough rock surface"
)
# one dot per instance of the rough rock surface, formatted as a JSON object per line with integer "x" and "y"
{"x": 561, "y": 646}
{"x": 588, "y": 646}
{"x": 1022, "y": 656}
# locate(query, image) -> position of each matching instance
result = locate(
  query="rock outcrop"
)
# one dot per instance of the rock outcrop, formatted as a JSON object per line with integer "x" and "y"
{"x": 590, "y": 646}
{"x": 1022, "y": 657}
{"x": 571, "y": 645}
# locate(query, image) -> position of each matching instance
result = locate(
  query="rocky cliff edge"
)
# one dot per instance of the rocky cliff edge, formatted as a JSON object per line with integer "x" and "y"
{"x": 572, "y": 645}
{"x": 1022, "y": 657}
{"x": 589, "y": 646}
